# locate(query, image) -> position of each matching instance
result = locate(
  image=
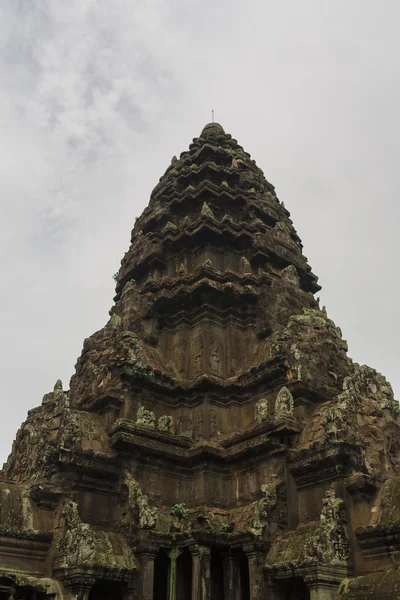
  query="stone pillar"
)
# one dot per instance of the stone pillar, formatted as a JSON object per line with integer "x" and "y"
{"x": 201, "y": 572}
{"x": 256, "y": 575}
{"x": 273, "y": 590}
{"x": 130, "y": 592}
{"x": 323, "y": 581}
{"x": 173, "y": 555}
{"x": 146, "y": 574}
{"x": 322, "y": 591}
{"x": 232, "y": 584}
{"x": 79, "y": 588}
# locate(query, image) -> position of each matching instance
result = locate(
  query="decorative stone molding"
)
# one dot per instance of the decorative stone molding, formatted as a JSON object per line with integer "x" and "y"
{"x": 166, "y": 423}
{"x": 145, "y": 418}
{"x": 244, "y": 265}
{"x": 264, "y": 507}
{"x": 206, "y": 211}
{"x": 135, "y": 509}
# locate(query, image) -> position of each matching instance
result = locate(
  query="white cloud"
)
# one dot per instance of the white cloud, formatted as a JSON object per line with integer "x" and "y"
{"x": 97, "y": 96}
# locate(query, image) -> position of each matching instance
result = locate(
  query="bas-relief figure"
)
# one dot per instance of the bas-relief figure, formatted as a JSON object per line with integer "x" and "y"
{"x": 284, "y": 404}
{"x": 213, "y": 427}
{"x": 261, "y": 410}
{"x": 226, "y": 495}
{"x": 197, "y": 356}
{"x": 145, "y": 418}
{"x": 215, "y": 356}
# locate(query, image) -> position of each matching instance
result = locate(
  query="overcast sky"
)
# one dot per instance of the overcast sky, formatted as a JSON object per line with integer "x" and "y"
{"x": 97, "y": 96}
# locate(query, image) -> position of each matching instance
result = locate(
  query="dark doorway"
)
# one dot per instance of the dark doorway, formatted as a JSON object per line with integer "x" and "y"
{"x": 295, "y": 589}
{"x": 161, "y": 569}
{"x": 217, "y": 574}
{"x": 243, "y": 565}
{"x": 6, "y": 587}
{"x": 184, "y": 576}
{"x": 105, "y": 590}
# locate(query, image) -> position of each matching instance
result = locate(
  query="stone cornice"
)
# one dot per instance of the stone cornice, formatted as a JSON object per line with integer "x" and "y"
{"x": 125, "y": 435}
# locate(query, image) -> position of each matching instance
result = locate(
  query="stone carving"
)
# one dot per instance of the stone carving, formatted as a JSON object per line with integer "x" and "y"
{"x": 215, "y": 491}
{"x": 197, "y": 356}
{"x": 213, "y": 423}
{"x": 169, "y": 226}
{"x": 215, "y": 359}
{"x": 145, "y": 418}
{"x": 261, "y": 410}
{"x": 336, "y": 420}
{"x": 135, "y": 509}
{"x": 75, "y": 540}
{"x": 334, "y": 527}
{"x": 264, "y": 507}
{"x": 290, "y": 274}
{"x": 57, "y": 395}
{"x": 244, "y": 265}
{"x": 238, "y": 355}
{"x": 198, "y": 426}
{"x": 166, "y": 423}
{"x": 48, "y": 429}
{"x": 284, "y": 404}
{"x": 206, "y": 211}
{"x": 367, "y": 382}
{"x": 185, "y": 426}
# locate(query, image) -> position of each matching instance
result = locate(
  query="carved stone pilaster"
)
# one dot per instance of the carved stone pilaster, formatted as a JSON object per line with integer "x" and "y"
{"x": 130, "y": 592}
{"x": 201, "y": 572}
{"x": 79, "y": 586}
{"x": 273, "y": 591}
{"x": 145, "y": 580}
{"x": 232, "y": 584}
{"x": 256, "y": 575}
{"x": 173, "y": 556}
{"x": 323, "y": 582}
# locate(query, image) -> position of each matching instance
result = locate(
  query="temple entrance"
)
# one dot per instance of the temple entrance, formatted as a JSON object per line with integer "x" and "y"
{"x": 6, "y": 587}
{"x": 294, "y": 589}
{"x": 161, "y": 573}
{"x": 217, "y": 574}
{"x": 243, "y": 565}
{"x": 175, "y": 564}
{"x": 184, "y": 576}
{"x": 104, "y": 590}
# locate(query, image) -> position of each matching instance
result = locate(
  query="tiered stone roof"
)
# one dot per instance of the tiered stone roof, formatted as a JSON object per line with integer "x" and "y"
{"x": 216, "y": 417}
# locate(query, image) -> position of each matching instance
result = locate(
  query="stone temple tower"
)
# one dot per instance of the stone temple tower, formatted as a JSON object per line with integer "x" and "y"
{"x": 216, "y": 442}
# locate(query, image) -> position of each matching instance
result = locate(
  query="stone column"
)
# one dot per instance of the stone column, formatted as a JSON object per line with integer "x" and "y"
{"x": 273, "y": 591}
{"x": 232, "y": 584}
{"x": 146, "y": 574}
{"x": 130, "y": 592}
{"x": 201, "y": 572}
{"x": 322, "y": 591}
{"x": 173, "y": 555}
{"x": 256, "y": 575}
{"x": 323, "y": 581}
{"x": 79, "y": 588}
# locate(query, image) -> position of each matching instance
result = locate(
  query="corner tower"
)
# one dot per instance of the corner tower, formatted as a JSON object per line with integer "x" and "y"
{"x": 216, "y": 441}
